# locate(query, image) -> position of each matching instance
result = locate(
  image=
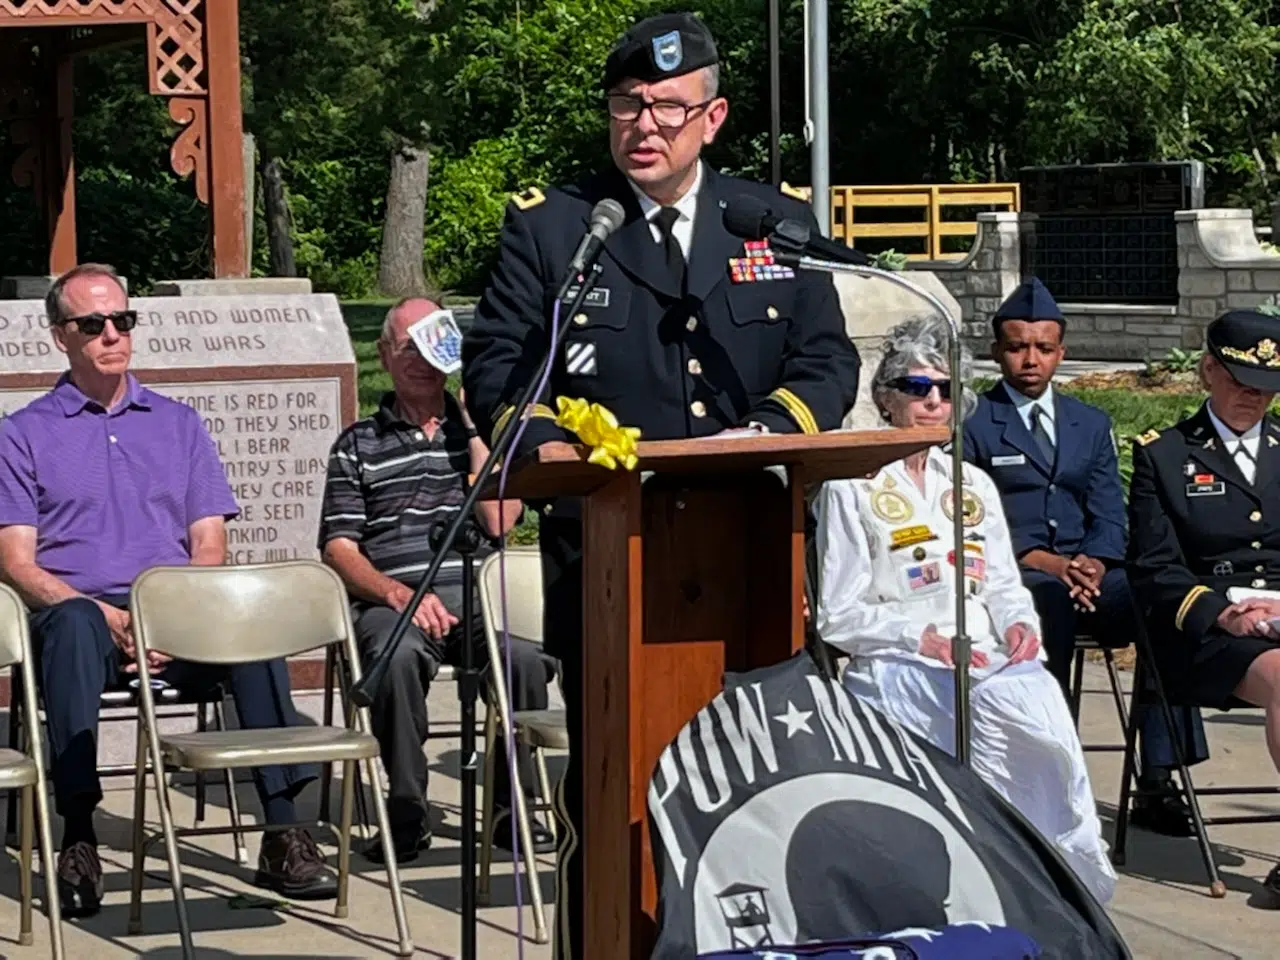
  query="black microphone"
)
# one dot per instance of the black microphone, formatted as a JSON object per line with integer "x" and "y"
{"x": 606, "y": 217}
{"x": 753, "y": 219}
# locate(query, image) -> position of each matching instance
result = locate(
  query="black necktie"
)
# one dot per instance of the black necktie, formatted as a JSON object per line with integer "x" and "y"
{"x": 1040, "y": 433}
{"x": 666, "y": 220}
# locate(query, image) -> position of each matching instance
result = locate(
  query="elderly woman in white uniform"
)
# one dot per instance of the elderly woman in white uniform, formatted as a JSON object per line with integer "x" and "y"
{"x": 887, "y": 598}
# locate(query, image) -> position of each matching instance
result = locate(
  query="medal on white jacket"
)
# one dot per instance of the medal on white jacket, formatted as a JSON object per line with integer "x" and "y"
{"x": 902, "y": 552}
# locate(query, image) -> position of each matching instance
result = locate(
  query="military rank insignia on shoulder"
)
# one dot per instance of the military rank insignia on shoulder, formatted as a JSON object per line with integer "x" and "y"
{"x": 794, "y": 192}
{"x": 1148, "y": 437}
{"x": 528, "y": 198}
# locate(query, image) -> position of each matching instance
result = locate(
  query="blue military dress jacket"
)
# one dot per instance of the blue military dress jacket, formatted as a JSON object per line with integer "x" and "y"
{"x": 1073, "y": 505}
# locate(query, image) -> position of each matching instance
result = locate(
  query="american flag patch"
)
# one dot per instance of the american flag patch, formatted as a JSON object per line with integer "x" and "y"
{"x": 974, "y": 566}
{"x": 924, "y": 575}
{"x": 758, "y": 264}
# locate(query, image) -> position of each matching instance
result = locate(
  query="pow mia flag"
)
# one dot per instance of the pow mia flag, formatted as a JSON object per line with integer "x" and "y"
{"x": 786, "y": 812}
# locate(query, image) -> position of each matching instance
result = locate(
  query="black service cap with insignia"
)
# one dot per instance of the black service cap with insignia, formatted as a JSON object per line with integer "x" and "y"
{"x": 657, "y": 48}
{"x": 1247, "y": 343}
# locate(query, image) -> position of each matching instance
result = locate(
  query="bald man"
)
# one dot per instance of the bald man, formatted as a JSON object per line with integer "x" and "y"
{"x": 392, "y": 477}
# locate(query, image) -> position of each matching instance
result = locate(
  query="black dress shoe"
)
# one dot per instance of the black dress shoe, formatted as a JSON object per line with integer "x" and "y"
{"x": 1164, "y": 813}
{"x": 79, "y": 880}
{"x": 291, "y": 864}
{"x": 504, "y": 824}
{"x": 407, "y": 844}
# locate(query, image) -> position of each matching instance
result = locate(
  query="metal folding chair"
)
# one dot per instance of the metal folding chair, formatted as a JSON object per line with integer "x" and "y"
{"x": 336, "y": 678}
{"x": 24, "y": 771}
{"x": 539, "y": 730}
{"x": 123, "y": 706}
{"x": 1084, "y": 645}
{"x": 1145, "y": 666}
{"x": 244, "y": 614}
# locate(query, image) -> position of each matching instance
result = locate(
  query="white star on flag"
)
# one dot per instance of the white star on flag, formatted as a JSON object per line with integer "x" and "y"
{"x": 795, "y": 720}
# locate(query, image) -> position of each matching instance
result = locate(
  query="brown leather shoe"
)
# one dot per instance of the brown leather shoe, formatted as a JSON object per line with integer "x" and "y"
{"x": 79, "y": 880}
{"x": 291, "y": 864}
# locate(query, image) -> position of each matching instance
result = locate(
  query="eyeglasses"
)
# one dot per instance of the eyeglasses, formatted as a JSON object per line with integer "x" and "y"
{"x": 920, "y": 386}
{"x": 92, "y": 324}
{"x": 669, "y": 114}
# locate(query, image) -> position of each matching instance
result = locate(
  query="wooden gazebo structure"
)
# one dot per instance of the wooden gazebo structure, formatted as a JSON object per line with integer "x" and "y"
{"x": 193, "y": 57}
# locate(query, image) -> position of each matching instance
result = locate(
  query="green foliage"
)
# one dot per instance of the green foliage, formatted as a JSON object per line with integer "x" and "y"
{"x": 467, "y": 200}
{"x": 1177, "y": 361}
{"x": 890, "y": 260}
{"x": 506, "y": 93}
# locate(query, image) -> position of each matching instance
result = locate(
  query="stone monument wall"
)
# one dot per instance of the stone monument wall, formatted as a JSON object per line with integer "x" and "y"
{"x": 981, "y": 281}
{"x": 273, "y": 377}
{"x": 1221, "y": 265}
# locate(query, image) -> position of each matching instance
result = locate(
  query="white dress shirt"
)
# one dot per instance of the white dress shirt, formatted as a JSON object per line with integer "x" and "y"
{"x": 1024, "y": 405}
{"x": 1241, "y": 447}
{"x": 686, "y": 206}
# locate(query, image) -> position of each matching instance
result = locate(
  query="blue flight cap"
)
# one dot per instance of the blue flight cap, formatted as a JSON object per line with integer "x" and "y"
{"x": 1032, "y": 301}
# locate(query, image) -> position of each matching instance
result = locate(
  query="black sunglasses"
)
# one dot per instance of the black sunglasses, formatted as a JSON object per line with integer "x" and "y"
{"x": 920, "y": 386}
{"x": 92, "y": 324}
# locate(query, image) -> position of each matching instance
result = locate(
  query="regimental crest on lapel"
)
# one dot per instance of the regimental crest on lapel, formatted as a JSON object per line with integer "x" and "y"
{"x": 757, "y": 263}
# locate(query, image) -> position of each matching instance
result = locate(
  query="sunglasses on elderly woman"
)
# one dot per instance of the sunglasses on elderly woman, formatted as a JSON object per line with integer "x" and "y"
{"x": 920, "y": 386}
{"x": 92, "y": 324}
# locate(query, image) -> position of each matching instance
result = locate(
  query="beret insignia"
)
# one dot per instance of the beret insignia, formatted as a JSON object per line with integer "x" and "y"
{"x": 529, "y": 197}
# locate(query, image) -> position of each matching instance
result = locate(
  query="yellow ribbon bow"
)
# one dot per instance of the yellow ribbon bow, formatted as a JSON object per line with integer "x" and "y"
{"x": 611, "y": 445}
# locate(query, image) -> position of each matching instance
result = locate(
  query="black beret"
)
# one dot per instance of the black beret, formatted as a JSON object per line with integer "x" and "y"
{"x": 668, "y": 45}
{"x": 1247, "y": 343}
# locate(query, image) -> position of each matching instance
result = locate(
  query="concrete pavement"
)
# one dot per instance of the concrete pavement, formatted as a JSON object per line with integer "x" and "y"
{"x": 1162, "y": 905}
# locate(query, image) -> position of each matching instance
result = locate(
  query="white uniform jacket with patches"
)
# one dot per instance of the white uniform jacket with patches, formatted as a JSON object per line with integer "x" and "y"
{"x": 887, "y": 564}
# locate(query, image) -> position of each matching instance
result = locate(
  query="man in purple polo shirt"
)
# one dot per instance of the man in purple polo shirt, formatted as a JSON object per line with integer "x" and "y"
{"x": 100, "y": 479}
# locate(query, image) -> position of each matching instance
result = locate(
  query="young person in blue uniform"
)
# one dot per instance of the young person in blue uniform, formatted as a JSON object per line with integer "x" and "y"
{"x": 1053, "y": 459}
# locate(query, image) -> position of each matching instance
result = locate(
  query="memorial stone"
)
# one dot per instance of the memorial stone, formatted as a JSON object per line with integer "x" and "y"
{"x": 273, "y": 377}
{"x": 1105, "y": 233}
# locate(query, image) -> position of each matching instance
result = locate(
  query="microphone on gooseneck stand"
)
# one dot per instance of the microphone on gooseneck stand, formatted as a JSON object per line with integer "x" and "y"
{"x": 753, "y": 219}
{"x": 606, "y": 217}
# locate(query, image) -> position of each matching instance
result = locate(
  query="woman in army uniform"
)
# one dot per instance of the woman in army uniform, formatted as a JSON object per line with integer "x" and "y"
{"x": 887, "y": 598}
{"x": 1204, "y": 531}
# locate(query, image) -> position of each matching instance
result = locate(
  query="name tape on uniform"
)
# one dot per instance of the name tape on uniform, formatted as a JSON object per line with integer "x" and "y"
{"x": 910, "y": 536}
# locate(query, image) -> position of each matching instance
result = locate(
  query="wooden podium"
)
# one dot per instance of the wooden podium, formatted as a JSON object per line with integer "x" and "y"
{"x": 693, "y": 565}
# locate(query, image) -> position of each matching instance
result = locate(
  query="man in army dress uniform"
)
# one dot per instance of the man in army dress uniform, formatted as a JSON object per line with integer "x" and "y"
{"x": 669, "y": 340}
{"x": 1204, "y": 531}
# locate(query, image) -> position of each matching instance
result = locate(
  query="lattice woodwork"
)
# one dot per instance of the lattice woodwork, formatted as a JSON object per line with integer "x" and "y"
{"x": 177, "y": 68}
{"x": 190, "y": 151}
{"x": 175, "y": 47}
{"x": 101, "y": 10}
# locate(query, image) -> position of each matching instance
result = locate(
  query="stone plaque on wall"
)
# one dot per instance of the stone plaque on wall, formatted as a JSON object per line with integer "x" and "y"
{"x": 274, "y": 379}
{"x": 1105, "y": 232}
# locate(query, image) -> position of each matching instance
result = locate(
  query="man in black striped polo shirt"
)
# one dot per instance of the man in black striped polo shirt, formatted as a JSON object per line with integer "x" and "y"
{"x": 392, "y": 477}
